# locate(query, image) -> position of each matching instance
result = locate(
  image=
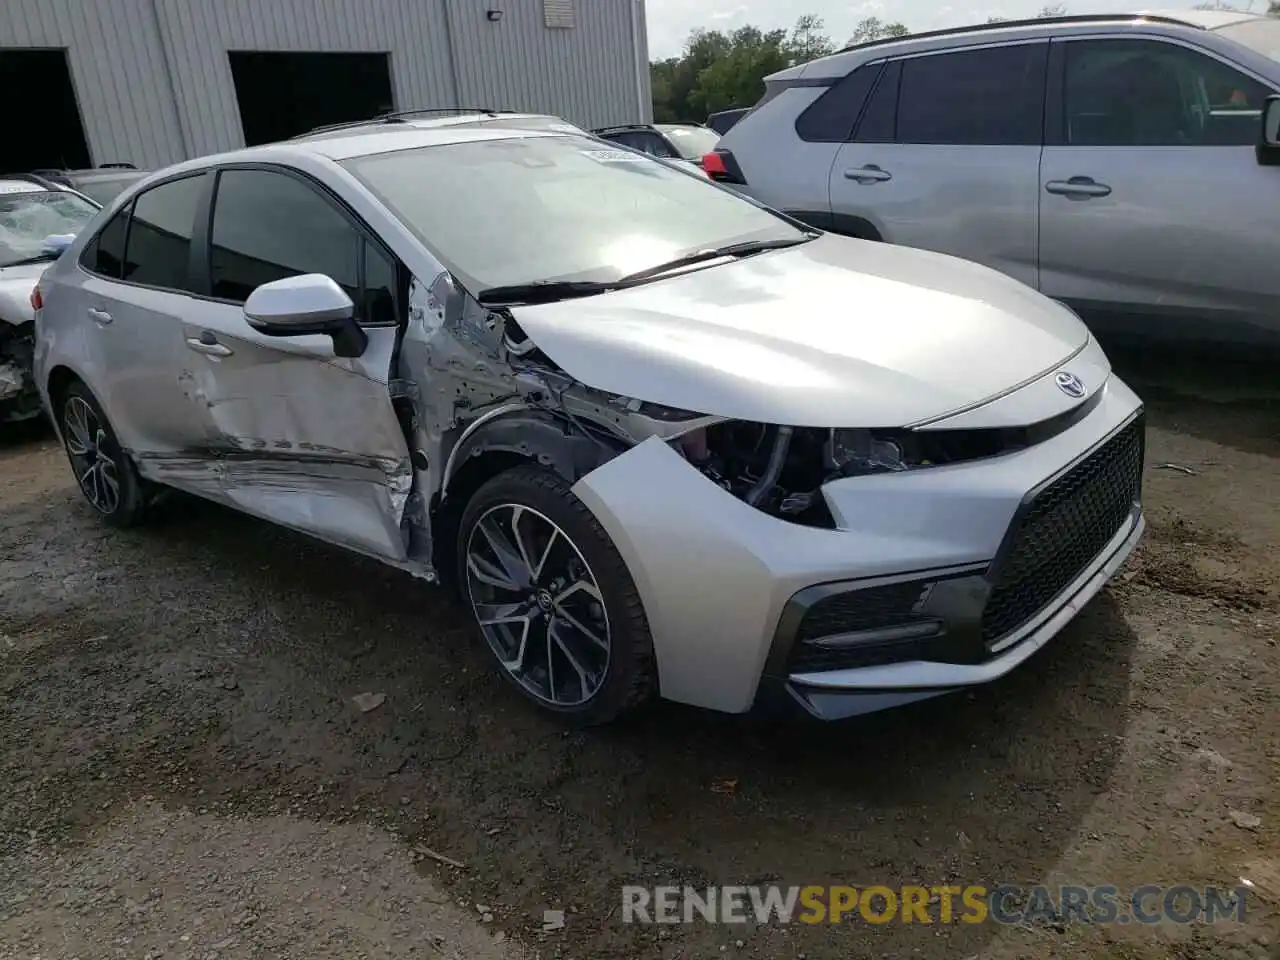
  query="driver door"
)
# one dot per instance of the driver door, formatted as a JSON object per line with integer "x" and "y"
{"x": 302, "y": 437}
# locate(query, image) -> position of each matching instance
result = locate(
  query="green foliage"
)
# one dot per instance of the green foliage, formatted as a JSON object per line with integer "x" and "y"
{"x": 873, "y": 28}
{"x": 718, "y": 71}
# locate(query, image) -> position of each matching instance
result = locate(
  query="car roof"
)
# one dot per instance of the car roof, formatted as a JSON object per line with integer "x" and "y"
{"x": 839, "y": 62}
{"x": 439, "y": 119}
{"x": 365, "y": 140}
{"x": 23, "y": 184}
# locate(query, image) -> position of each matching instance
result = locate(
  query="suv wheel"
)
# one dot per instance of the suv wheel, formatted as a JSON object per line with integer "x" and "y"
{"x": 553, "y": 598}
{"x": 106, "y": 476}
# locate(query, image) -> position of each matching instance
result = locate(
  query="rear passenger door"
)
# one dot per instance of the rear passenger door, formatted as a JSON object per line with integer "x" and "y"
{"x": 301, "y": 436}
{"x": 135, "y": 297}
{"x": 945, "y": 155}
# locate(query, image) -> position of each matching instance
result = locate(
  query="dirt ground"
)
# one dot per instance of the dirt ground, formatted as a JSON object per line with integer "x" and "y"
{"x": 183, "y": 773}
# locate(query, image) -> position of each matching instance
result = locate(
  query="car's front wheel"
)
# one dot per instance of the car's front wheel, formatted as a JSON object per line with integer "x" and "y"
{"x": 106, "y": 475}
{"x": 553, "y": 598}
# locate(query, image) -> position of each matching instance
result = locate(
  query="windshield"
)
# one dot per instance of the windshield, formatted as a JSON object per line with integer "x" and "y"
{"x": 1262, "y": 35}
{"x": 505, "y": 212}
{"x": 106, "y": 189}
{"x": 26, "y": 219}
{"x": 692, "y": 142}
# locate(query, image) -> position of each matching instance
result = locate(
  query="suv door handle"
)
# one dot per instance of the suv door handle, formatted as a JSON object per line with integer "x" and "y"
{"x": 1078, "y": 188}
{"x": 99, "y": 316}
{"x": 868, "y": 174}
{"x": 208, "y": 344}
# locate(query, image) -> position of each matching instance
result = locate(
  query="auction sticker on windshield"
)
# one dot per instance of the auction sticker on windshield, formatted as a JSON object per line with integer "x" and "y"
{"x": 614, "y": 156}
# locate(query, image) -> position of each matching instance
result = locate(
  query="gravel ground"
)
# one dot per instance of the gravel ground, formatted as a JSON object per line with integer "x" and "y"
{"x": 184, "y": 773}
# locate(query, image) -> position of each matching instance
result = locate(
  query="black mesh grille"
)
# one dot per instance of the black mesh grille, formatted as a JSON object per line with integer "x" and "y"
{"x": 887, "y": 606}
{"x": 1064, "y": 528}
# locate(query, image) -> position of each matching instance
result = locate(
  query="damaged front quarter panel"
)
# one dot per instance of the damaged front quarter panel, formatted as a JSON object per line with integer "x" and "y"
{"x": 472, "y": 389}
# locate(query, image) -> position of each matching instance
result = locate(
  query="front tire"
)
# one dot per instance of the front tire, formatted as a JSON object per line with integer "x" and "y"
{"x": 553, "y": 598}
{"x": 106, "y": 475}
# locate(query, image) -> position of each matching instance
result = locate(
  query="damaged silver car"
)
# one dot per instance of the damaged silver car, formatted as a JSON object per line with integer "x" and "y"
{"x": 658, "y": 438}
{"x": 36, "y": 224}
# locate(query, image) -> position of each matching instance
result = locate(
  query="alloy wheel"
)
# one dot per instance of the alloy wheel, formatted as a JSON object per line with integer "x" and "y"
{"x": 96, "y": 470}
{"x": 538, "y": 604}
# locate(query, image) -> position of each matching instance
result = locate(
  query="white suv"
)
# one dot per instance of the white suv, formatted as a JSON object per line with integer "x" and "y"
{"x": 1115, "y": 163}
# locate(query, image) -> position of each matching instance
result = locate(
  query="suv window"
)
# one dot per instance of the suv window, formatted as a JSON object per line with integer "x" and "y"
{"x": 269, "y": 225}
{"x": 1129, "y": 93}
{"x": 831, "y": 118}
{"x": 158, "y": 249}
{"x": 991, "y": 96}
{"x": 879, "y": 120}
{"x": 104, "y": 254}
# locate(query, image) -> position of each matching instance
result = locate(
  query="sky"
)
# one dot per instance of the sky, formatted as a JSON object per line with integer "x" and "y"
{"x": 671, "y": 20}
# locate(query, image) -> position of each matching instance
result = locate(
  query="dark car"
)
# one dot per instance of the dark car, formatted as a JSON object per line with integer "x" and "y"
{"x": 674, "y": 141}
{"x": 721, "y": 122}
{"x": 100, "y": 184}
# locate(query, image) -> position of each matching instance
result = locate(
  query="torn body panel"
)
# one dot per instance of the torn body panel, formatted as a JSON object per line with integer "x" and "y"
{"x": 283, "y": 429}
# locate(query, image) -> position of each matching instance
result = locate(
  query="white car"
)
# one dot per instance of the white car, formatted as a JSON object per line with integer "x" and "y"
{"x": 660, "y": 439}
{"x": 36, "y": 219}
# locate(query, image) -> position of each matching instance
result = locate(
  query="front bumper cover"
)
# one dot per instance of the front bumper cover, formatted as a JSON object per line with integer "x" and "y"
{"x": 721, "y": 581}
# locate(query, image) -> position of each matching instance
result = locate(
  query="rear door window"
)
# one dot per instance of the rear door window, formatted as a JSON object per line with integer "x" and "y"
{"x": 104, "y": 255}
{"x": 991, "y": 96}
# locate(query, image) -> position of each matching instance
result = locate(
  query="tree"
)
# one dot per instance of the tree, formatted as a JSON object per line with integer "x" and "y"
{"x": 717, "y": 70}
{"x": 808, "y": 40}
{"x": 1274, "y": 9}
{"x": 1051, "y": 10}
{"x": 873, "y": 28}
{"x": 997, "y": 19}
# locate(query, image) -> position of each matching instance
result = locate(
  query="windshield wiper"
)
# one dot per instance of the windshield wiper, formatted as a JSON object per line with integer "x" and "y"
{"x": 541, "y": 291}
{"x": 743, "y": 249}
{"x": 27, "y": 261}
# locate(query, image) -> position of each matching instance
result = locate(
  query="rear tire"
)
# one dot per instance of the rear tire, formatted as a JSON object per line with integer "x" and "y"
{"x": 105, "y": 473}
{"x": 553, "y": 598}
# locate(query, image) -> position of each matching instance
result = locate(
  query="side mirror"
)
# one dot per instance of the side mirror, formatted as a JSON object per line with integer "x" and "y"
{"x": 1269, "y": 144}
{"x": 306, "y": 305}
{"x": 54, "y": 244}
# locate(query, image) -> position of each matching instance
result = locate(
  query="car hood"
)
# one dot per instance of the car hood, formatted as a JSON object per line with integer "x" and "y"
{"x": 16, "y": 284}
{"x": 834, "y": 332}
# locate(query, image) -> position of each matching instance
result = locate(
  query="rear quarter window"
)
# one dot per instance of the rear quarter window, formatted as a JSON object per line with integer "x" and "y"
{"x": 832, "y": 117}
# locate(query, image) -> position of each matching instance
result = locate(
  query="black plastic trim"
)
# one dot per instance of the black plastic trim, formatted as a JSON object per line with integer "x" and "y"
{"x": 952, "y": 600}
{"x": 1011, "y": 534}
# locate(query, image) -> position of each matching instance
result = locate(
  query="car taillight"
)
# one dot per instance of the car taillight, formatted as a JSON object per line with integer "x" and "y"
{"x": 37, "y": 301}
{"x": 722, "y": 167}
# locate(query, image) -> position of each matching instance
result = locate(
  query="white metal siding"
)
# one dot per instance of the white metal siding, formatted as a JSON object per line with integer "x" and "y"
{"x": 154, "y": 82}
{"x": 586, "y": 73}
{"x": 117, "y": 69}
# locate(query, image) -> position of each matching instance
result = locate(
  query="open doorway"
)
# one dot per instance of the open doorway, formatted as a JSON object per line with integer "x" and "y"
{"x": 41, "y": 118}
{"x": 284, "y": 94}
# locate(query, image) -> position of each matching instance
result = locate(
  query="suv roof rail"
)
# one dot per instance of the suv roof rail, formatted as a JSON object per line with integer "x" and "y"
{"x": 116, "y": 166}
{"x": 1031, "y": 22}
{"x": 399, "y": 116}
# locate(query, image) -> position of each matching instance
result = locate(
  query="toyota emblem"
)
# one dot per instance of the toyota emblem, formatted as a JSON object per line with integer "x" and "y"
{"x": 1070, "y": 384}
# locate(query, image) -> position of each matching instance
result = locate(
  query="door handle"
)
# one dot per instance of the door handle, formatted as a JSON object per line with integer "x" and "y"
{"x": 868, "y": 174}
{"x": 99, "y": 316}
{"x": 1078, "y": 188}
{"x": 208, "y": 344}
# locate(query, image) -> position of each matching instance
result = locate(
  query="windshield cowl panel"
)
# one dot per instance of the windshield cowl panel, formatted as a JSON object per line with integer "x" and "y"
{"x": 504, "y": 213}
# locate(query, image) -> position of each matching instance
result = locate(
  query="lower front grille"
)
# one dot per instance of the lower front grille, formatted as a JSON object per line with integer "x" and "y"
{"x": 1062, "y": 529}
{"x": 869, "y": 609}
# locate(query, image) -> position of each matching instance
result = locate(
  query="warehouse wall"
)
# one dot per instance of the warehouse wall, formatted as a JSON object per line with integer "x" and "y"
{"x": 117, "y": 68}
{"x": 155, "y": 85}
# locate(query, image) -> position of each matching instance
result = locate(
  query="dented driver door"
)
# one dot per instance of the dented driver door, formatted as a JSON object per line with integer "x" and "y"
{"x": 296, "y": 434}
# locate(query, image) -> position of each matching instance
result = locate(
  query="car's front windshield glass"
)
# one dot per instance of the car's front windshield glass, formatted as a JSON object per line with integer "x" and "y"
{"x": 694, "y": 143}
{"x": 27, "y": 218}
{"x": 498, "y": 212}
{"x": 1261, "y": 35}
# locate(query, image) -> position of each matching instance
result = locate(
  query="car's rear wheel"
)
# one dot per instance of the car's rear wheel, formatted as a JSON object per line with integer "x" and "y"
{"x": 106, "y": 475}
{"x": 553, "y": 598}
